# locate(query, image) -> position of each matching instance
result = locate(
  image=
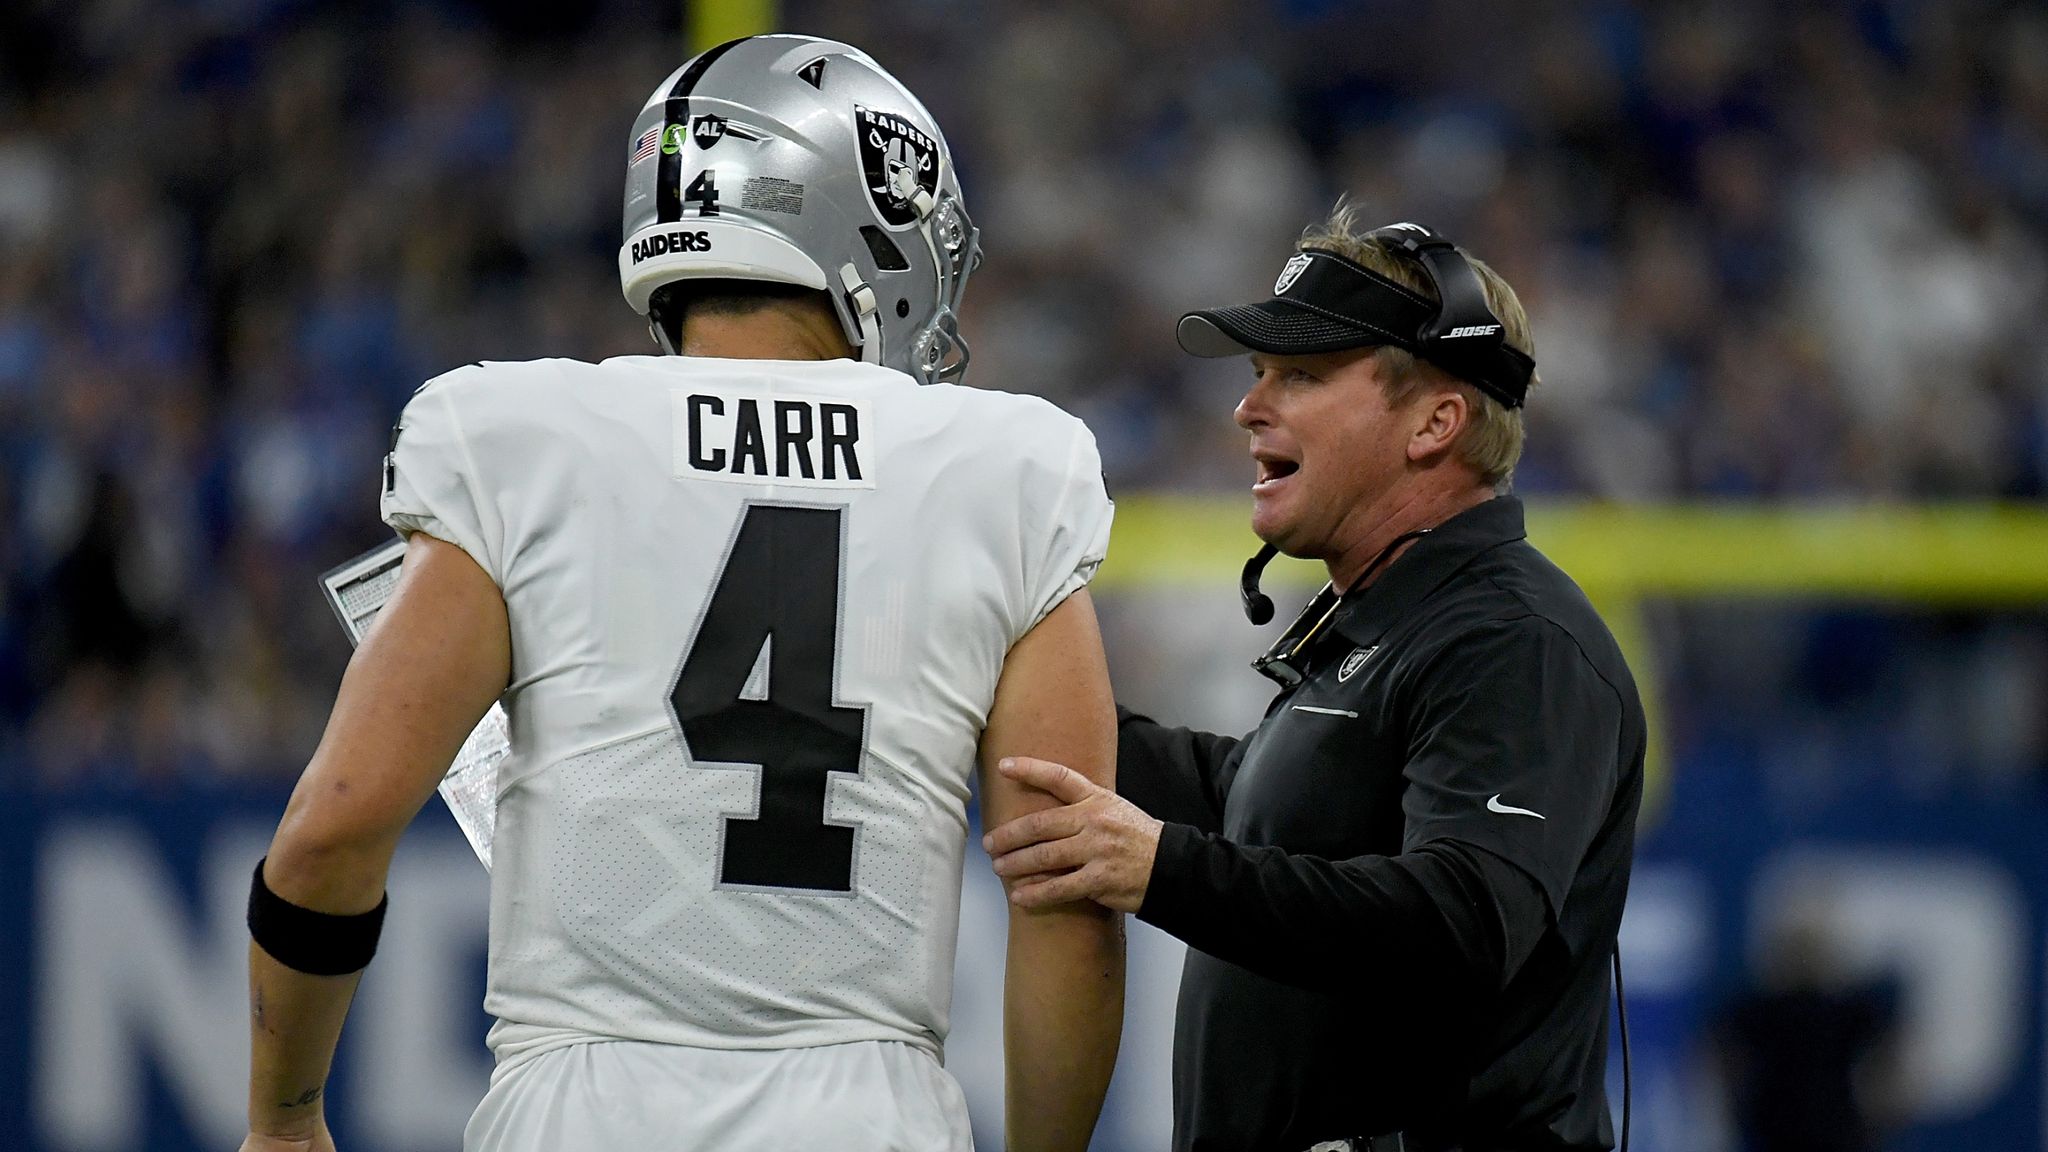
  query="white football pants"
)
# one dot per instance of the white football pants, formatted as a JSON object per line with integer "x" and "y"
{"x": 628, "y": 1096}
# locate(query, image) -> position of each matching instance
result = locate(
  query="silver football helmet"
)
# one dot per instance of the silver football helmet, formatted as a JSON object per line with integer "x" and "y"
{"x": 801, "y": 161}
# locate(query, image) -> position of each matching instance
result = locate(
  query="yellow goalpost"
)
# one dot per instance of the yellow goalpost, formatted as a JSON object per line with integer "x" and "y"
{"x": 710, "y": 23}
{"x": 1950, "y": 555}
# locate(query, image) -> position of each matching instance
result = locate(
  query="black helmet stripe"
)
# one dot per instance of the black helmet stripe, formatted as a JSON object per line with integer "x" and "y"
{"x": 668, "y": 184}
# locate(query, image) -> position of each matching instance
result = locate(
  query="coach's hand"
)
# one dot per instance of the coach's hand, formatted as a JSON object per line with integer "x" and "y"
{"x": 1098, "y": 847}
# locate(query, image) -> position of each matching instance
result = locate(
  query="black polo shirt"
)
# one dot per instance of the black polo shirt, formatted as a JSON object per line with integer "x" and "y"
{"x": 1401, "y": 892}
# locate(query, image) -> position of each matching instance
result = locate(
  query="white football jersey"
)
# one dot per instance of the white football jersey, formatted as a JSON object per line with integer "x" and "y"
{"x": 758, "y": 612}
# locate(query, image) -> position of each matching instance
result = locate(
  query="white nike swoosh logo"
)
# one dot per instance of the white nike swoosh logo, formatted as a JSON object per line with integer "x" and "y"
{"x": 1325, "y": 711}
{"x": 1494, "y": 805}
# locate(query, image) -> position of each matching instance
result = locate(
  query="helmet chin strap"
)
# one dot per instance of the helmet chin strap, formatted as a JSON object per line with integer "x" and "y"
{"x": 661, "y": 340}
{"x": 860, "y": 300}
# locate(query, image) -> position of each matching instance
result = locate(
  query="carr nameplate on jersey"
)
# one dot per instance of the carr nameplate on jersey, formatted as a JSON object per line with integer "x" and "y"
{"x": 748, "y": 437}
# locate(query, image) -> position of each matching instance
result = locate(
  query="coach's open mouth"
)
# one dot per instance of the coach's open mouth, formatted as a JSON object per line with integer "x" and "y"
{"x": 1272, "y": 470}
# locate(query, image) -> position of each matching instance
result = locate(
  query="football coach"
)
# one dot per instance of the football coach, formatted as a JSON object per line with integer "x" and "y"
{"x": 1401, "y": 892}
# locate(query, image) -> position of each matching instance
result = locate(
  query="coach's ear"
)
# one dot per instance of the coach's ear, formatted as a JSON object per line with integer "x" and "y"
{"x": 1438, "y": 415}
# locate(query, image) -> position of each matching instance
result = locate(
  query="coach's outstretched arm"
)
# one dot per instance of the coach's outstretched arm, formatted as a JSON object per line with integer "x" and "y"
{"x": 1063, "y": 987}
{"x": 438, "y": 655}
{"x": 1175, "y": 774}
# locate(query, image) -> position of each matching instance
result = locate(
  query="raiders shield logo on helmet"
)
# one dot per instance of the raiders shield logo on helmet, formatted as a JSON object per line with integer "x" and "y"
{"x": 1289, "y": 273}
{"x": 897, "y": 159}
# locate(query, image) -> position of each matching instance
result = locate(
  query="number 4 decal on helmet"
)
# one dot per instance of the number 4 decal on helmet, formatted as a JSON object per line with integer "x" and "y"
{"x": 703, "y": 192}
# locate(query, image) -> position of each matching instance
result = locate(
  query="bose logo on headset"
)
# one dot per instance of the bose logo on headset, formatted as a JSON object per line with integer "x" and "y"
{"x": 1472, "y": 330}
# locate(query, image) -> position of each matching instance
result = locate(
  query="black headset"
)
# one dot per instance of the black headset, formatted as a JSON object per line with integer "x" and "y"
{"x": 1464, "y": 337}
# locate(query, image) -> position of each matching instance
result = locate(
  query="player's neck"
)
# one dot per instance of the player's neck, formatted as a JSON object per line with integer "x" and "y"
{"x": 769, "y": 333}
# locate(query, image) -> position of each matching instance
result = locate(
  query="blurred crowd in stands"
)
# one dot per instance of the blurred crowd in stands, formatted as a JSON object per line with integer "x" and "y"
{"x": 1771, "y": 251}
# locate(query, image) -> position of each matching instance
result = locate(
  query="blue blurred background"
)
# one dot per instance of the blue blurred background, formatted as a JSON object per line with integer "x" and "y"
{"x": 1776, "y": 255}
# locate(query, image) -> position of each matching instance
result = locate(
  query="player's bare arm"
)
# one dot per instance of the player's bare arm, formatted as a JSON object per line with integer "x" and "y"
{"x": 1095, "y": 846}
{"x": 437, "y": 657}
{"x": 1064, "y": 981}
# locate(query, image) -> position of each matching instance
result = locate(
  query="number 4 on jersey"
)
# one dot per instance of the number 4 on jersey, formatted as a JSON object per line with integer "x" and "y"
{"x": 779, "y": 589}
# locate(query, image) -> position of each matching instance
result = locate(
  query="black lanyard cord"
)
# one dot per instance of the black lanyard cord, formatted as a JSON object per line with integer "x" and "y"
{"x": 1280, "y": 661}
{"x": 1621, "y": 1002}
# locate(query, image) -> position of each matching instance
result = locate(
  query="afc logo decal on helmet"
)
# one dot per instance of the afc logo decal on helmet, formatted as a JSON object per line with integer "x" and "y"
{"x": 1290, "y": 272}
{"x": 897, "y": 159}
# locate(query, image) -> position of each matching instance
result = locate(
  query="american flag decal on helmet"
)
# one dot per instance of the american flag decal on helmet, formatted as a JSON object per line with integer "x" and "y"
{"x": 648, "y": 140}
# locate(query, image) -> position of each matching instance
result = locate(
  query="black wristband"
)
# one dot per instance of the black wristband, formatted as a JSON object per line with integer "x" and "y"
{"x": 316, "y": 943}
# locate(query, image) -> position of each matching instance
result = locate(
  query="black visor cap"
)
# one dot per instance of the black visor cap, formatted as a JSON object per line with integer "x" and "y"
{"x": 1321, "y": 303}
{"x": 1324, "y": 302}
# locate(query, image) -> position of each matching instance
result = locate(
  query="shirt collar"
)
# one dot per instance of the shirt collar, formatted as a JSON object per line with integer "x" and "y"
{"x": 1366, "y": 614}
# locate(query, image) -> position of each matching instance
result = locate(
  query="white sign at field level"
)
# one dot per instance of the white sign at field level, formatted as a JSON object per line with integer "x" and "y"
{"x": 131, "y": 976}
{"x": 1950, "y": 928}
{"x": 134, "y": 979}
{"x": 127, "y": 980}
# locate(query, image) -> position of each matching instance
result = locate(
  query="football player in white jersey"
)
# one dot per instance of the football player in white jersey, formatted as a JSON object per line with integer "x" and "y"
{"x": 756, "y": 613}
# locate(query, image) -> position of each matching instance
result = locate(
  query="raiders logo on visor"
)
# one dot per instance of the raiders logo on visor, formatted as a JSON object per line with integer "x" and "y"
{"x": 897, "y": 159}
{"x": 1290, "y": 273}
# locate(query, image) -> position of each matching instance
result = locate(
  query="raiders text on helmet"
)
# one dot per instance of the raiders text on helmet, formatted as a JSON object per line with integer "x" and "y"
{"x": 800, "y": 161}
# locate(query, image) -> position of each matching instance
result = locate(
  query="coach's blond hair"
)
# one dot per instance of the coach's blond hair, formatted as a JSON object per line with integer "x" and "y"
{"x": 1492, "y": 443}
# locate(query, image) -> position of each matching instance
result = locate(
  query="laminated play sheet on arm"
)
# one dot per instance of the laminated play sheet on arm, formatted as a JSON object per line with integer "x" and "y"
{"x": 357, "y": 591}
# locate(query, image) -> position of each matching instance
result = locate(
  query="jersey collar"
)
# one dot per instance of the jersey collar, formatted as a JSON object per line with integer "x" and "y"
{"x": 1367, "y": 614}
